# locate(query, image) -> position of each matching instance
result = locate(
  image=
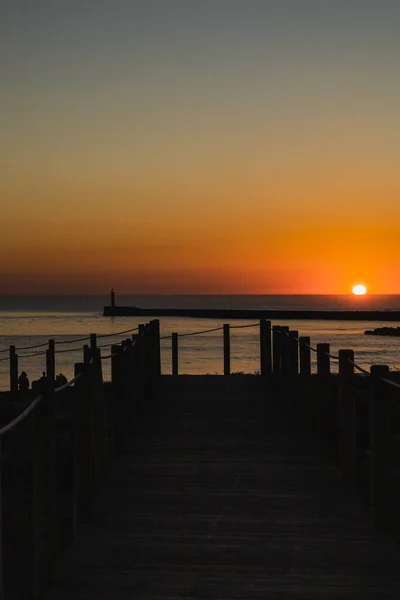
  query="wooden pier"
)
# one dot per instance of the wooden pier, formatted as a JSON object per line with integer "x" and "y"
{"x": 283, "y": 485}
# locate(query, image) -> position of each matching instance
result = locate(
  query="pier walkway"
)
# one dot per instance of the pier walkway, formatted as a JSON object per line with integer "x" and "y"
{"x": 219, "y": 495}
{"x": 283, "y": 484}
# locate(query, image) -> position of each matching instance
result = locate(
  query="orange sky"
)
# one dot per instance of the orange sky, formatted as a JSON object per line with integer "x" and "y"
{"x": 194, "y": 153}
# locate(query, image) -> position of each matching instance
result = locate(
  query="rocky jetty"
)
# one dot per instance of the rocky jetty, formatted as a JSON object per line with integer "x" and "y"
{"x": 393, "y": 331}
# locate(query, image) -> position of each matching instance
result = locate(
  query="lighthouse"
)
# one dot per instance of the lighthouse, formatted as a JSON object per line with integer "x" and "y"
{"x": 112, "y": 299}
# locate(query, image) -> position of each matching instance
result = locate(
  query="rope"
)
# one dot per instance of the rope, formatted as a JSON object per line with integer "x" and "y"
{"x": 30, "y": 355}
{"x": 244, "y": 326}
{"x": 68, "y": 384}
{"x": 103, "y": 335}
{"x": 311, "y": 348}
{"x": 71, "y": 341}
{"x": 31, "y": 347}
{"x": 82, "y": 339}
{"x": 200, "y": 332}
{"x": 392, "y": 383}
{"x": 356, "y": 366}
{"x": 69, "y": 350}
{"x": 4, "y": 430}
{"x": 332, "y": 356}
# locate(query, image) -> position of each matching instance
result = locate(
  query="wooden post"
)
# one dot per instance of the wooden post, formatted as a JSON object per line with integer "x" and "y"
{"x": 118, "y": 405}
{"x": 13, "y": 370}
{"x": 305, "y": 355}
{"x": 83, "y": 457}
{"x": 100, "y": 416}
{"x": 141, "y": 328}
{"x": 293, "y": 360}
{"x": 157, "y": 347}
{"x": 93, "y": 341}
{"x": 51, "y": 365}
{"x": 305, "y": 383}
{"x": 323, "y": 359}
{"x": 45, "y": 486}
{"x": 175, "y": 354}
{"x": 265, "y": 348}
{"x": 262, "y": 347}
{"x": 293, "y": 352}
{"x": 277, "y": 349}
{"x": 321, "y": 399}
{"x": 227, "y": 350}
{"x": 285, "y": 345}
{"x": 346, "y": 403}
{"x": 380, "y": 500}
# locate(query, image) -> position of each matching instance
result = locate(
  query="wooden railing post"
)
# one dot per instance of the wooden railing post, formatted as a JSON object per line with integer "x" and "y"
{"x": 100, "y": 426}
{"x": 13, "y": 370}
{"x": 175, "y": 355}
{"x": 305, "y": 355}
{"x": 265, "y": 348}
{"x": 227, "y": 350}
{"x": 285, "y": 349}
{"x": 323, "y": 359}
{"x": 380, "y": 445}
{"x": 51, "y": 364}
{"x": 277, "y": 349}
{"x": 83, "y": 458}
{"x": 118, "y": 419}
{"x": 93, "y": 341}
{"x": 293, "y": 357}
{"x": 293, "y": 352}
{"x": 45, "y": 485}
{"x": 305, "y": 378}
{"x": 321, "y": 394}
{"x": 157, "y": 348}
{"x": 346, "y": 450}
{"x": 19, "y": 536}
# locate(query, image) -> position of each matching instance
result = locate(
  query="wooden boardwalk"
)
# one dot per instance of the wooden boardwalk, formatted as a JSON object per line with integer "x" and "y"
{"x": 219, "y": 498}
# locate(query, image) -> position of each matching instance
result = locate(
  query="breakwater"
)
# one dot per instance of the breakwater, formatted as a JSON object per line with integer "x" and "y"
{"x": 200, "y": 313}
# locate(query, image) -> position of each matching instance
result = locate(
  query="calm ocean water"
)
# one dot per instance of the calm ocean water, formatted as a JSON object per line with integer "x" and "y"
{"x": 30, "y": 320}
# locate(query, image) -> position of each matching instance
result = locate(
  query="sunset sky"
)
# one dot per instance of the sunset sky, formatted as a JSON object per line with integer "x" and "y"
{"x": 208, "y": 146}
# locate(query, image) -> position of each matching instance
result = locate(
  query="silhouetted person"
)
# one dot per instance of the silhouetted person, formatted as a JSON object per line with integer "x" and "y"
{"x": 61, "y": 380}
{"x": 40, "y": 384}
{"x": 23, "y": 382}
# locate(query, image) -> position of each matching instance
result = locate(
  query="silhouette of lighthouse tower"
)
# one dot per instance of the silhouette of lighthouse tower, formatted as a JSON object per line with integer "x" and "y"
{"x": 112, "y": 300}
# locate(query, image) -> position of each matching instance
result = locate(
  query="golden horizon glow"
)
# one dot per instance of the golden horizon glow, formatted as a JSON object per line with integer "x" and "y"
{"x": 359, "y": 290}
{"x": 247, "y": 149}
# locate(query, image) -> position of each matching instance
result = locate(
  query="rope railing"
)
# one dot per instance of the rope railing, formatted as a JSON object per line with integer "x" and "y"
{"x": 10, "y": 426}
{"x": 68, "y": 384}
{"x": 103, "y": 335}
{"x": 391, "y": 383}
{"x": 75, "y": 340}
{"x": 166, "y": 337}
{"x": 200, "y": 332}
{"x": 332, "y": 356}
{"x": 245, "y": 326}
{"x": 32, "y": 354}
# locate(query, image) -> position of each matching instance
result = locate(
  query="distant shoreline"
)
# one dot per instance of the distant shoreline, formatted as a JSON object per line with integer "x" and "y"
{"x": 200, "y": 313}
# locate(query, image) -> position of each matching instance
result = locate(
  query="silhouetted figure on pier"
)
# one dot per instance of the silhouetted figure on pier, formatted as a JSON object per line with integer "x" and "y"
{"x": 61, "y": 380}
{"x": 40, "y": 384}
{"x": 23, "y": 382}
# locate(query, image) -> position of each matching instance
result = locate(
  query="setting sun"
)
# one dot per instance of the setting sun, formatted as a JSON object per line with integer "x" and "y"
{"x": 359, "y": 290}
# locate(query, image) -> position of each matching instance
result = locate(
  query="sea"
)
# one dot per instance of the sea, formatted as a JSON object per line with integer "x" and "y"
{"x": 27, "y": 321}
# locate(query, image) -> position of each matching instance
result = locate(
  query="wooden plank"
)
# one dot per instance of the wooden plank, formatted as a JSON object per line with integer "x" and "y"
{"x": 218, "y": 498}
